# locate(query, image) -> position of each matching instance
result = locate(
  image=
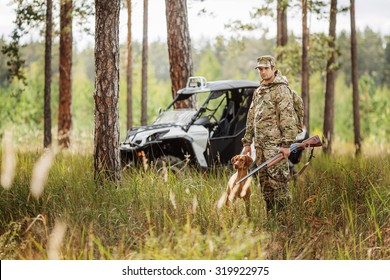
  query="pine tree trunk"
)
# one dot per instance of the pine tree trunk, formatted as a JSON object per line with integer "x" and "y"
{"x": 279, "y": 23}
{"x": 305, "y": 66}
{"x": 179, "y": 46}
{"x": 284, "y": 25}
{"x": 106, "y": 96}
{"x": 144, "y": 101}
{"x": 330, "y": 81}
{"x": 129, "y": 69}
{"x": 281, "y": 19}
{"x": 281, "y": 30}
{"x": 65, "y": 70}
{"x": 48, "y": 46}
{"x": 355, "y": 88}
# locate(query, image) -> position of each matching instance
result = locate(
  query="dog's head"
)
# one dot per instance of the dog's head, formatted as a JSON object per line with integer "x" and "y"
{"x": 240, "y": 162}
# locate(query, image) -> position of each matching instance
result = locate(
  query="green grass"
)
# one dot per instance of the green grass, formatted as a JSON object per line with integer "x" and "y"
{"x": 339, "y": 210}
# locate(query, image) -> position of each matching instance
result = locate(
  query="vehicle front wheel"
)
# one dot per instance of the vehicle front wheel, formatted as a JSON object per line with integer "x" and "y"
{"x": 172, "y": 163}
{"x": 124, "y": 159}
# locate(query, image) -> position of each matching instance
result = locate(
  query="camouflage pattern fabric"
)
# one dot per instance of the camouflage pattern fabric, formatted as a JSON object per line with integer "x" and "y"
{"x": 273, "y": 181}
{"x": 271, "y": 123}
{"x": 265, "y": 61}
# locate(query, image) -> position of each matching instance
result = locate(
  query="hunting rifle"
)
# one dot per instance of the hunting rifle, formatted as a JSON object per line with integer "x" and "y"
{"x": 310, "y": 142}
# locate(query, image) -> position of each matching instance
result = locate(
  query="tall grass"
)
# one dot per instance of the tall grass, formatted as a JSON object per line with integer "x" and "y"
{"x": 339, "y": 210}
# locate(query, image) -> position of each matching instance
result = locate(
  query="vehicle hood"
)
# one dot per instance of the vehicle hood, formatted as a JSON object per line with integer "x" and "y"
{"x": 141, "y": 136}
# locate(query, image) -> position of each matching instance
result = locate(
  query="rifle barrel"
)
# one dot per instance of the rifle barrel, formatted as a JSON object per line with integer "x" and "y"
{"x": 276, "y": 158}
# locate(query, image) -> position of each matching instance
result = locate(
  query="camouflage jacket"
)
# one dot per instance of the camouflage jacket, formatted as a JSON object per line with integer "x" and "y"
{"x": 271, "y": 117}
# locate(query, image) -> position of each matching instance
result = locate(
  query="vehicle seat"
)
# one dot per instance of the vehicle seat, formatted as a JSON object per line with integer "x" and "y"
{"x": 239, "y": 121}
{"x": 230, "y": 114}
{"x": 224, "y": 123}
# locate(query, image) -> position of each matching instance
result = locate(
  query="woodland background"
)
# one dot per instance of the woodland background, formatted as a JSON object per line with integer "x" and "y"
{"x": 54, "y": 205}
{"x": 220, "y": 58}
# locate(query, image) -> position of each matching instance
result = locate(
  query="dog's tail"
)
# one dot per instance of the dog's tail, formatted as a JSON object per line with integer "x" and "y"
{"x": 222, "y": 200}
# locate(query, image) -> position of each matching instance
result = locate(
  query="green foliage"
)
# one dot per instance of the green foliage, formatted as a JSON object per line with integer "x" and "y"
{"x": 339, "y": 208}
{"x": 371, "y": 56}
{"x": 319, "y": 8}
{"x": 374, "y": 108}
{"x": 15, "y": 62}
{"x": 343, "y": 111}
{"x": 28, "y": 14}
{"x": 386, "y": 63}
{"x": 232, "y": 58}
{"x": 23, "y": 105}
{"x": 3, "y": 63}
{"x": 291, "y": 62}
{"x": 317, "y": 102}
{"x": 82, "y": 12}
{"x": 209, "y": 64}
{"x": 291, "y": 55}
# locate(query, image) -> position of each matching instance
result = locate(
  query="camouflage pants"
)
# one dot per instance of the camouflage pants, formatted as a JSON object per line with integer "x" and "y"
{"x": 274, "y": 180}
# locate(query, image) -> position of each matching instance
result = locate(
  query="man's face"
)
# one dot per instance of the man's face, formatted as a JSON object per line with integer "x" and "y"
{"x": 266, "y": 73}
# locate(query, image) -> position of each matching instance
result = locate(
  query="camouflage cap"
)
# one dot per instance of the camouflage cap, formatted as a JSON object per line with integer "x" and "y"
{"x": 265, "y": 61}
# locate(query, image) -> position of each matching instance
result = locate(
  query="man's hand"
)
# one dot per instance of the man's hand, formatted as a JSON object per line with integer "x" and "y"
{"x": 247, "y": 151}
{"x": 284, "y": 151}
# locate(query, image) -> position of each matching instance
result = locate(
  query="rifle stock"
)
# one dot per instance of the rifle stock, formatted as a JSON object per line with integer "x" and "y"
{"x": 313, "y": 141}
{"x": 309, "y": 142}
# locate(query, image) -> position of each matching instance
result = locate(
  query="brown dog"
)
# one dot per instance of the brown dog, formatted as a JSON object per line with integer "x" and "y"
{"x": 242, "y": 190}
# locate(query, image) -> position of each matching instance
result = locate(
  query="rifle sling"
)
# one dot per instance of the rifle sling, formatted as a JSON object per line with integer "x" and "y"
{"x": 306, "y": 164}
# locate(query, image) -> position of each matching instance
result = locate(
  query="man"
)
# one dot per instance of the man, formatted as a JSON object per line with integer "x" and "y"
{"x": 272, "y": 125}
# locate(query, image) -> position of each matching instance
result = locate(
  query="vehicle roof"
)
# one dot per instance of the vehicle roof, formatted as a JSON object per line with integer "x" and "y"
{"x": 220, "y": 85}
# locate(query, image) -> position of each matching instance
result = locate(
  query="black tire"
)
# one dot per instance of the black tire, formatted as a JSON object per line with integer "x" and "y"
{"x": 124, "y": 159}
{"x": 172, "y": 163}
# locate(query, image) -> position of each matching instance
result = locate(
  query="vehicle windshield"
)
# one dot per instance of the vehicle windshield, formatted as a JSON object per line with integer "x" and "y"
{"x": 178, "y": 117}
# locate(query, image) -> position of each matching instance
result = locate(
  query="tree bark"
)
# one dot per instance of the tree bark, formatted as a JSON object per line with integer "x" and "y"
{"x": 48, "y": 48}
{"x": 330, "y": 81}
{"x": 129, "y": 69}
{"x": 355, "y": 88}
{"x": 179, "y": 47}
{"x": 106, "y": 95}
{"x": 281, "y": 19}
{"x": 284, "y": 24}
{"x": 279, "y": 22}
{"x": 144, "y": 100}
{"x": 65, "y": 70}
{"x": 305, "y": 66}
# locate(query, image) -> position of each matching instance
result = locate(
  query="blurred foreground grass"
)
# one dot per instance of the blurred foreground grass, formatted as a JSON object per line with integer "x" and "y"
{"x": 340, "y": 210}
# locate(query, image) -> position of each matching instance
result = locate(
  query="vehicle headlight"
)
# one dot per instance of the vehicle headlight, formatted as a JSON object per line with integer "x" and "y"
{"x": 156, "y": 136}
